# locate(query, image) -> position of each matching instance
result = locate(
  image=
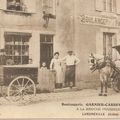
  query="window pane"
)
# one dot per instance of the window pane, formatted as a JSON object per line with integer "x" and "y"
{"x": 49, "y": 6}
{"x": 111, "y": 5}
{"x": 49, "y": 38}
{"x": 42, "y": 38}
{"x": 114, "y": 5}
{"x": 104, "y": 4}
{"x": 17, "y": 48}
{"x": 14, "y": 5}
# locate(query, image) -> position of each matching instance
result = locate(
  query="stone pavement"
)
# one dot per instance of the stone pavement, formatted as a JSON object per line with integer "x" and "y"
{"x": 51, "y": 104}
{"x": 48, "y": 97}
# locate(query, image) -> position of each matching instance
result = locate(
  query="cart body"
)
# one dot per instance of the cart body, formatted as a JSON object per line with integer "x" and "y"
{"x": 8, "y": 73}
{"x": 20, "y": 81}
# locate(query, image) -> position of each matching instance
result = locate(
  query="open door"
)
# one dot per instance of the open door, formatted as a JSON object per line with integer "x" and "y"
{"x": 46, "y": 49}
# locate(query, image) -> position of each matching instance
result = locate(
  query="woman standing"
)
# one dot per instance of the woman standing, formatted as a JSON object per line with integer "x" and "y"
{"x": 56, "y": 65}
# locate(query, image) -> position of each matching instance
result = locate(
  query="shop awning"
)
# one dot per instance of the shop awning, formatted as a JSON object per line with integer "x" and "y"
{"x": 18, "y": 33}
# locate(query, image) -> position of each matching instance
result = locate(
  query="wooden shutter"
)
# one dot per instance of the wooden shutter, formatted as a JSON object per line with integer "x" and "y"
{"x": 3, "y": 4}
{"x": 99, "y": 5}
{"x": 45, "y": 6}
{"x": 54, "y": 7}
{"x": 118, "y": 6}
{"x": 31, "y": 5}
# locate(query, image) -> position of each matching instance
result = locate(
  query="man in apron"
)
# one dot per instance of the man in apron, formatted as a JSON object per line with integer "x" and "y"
{"x": 71, "y": 61}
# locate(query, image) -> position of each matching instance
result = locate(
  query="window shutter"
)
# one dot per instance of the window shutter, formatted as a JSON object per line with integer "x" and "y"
{"x": 99, "y": 5}
{"x": 3, "y": 4}
{"x": 45, "y": 6}
{"x": 30, "y": 5}
{"x": 118, "y": 6}
{"x": 54, "y": 7}
{"x": 51, "y": 6}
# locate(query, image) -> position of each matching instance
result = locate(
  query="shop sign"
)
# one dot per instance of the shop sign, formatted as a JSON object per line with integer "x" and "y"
{"x": 101, "y": 21}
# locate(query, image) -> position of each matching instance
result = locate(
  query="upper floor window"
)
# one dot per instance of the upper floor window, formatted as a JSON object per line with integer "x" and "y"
{"x": 18, "y": 5}
{"x": 109, "y": 5}
{"x": 15, "y": 5}
{"x": 49, "y": 6}
{"x": 106, "y": 5}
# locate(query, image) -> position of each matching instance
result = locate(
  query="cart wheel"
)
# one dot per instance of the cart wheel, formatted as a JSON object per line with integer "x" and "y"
{"x": 116, "y": 84}
{"x": 21, "y": 88}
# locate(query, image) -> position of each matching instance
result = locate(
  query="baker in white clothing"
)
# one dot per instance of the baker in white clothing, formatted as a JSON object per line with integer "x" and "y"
{"x": 71, "y": 61}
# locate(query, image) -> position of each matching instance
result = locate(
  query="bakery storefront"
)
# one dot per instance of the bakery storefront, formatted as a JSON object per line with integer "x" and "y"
{"x": 28, "y": 50}
{"x": 107, "y": 35}
{"x": 95, "y": 34}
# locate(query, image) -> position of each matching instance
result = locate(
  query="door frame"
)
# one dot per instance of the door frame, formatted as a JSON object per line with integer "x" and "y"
{"x": 46, "y": 43}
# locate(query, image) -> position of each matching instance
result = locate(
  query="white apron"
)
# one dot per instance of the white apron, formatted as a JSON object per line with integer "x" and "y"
{"x": 57, "y": 68}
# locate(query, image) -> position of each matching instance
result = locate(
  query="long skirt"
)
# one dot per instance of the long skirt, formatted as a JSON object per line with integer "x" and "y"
{"x": 59, "y": 78}
{"x": 70, "y": 75}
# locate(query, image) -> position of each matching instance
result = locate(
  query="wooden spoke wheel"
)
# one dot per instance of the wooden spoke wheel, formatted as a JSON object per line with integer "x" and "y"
{"x": 21, "y": 88}
{"x": 116, "y": 84}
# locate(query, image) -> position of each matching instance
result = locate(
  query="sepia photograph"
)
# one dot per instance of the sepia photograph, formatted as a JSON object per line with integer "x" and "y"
{"x": 59, "y": 59}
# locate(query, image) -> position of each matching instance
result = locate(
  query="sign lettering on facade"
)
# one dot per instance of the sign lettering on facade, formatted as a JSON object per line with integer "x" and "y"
{"x": 102, "y": 21}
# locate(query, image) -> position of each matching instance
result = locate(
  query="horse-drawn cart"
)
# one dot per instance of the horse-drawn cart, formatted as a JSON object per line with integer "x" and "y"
{"x": 108, "y": 70}
{"x": 20, "y": 81}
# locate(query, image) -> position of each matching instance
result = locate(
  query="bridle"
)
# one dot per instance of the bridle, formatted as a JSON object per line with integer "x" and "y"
{"x": 97, "y": 65}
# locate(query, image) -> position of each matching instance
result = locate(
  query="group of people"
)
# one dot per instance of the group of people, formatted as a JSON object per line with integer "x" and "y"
{"x": 57, "y": 64}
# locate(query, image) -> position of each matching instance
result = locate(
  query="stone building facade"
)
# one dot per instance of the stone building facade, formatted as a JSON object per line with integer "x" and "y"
{"x": 27, "y": 30}
{"x": 32, "y": 30}
{"x": 87, "y": 26}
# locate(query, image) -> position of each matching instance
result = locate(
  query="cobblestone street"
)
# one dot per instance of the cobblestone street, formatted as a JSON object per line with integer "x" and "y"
{"x": 58, "y": 96}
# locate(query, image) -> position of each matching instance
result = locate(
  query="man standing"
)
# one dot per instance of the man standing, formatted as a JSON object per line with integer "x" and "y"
{"x": 71, "y": 61}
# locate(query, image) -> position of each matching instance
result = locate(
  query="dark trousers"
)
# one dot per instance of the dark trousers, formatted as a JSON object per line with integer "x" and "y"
{"x": 58, "y": 85}
{"x": 70, "y": 75}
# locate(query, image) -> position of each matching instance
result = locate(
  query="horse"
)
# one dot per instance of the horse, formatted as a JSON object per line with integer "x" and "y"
{"x": 103, "y": 65}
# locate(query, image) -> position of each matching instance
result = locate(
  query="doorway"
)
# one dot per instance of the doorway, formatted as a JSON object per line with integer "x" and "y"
{"x": 109, "y": 40}
{"x": 46, "y": 49}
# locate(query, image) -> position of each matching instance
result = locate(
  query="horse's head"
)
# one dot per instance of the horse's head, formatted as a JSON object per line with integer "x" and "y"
{"x": 92, "y": 62}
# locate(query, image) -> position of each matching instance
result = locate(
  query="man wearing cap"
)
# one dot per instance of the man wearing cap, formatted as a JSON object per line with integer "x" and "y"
{"x": 71, "y": 61}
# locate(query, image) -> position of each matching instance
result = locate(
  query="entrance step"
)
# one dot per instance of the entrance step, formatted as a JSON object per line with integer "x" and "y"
{"x": 66, "y": 89}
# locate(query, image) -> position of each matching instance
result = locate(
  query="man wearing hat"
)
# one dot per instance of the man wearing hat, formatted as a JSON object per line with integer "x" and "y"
{"x": 71, "y": 61}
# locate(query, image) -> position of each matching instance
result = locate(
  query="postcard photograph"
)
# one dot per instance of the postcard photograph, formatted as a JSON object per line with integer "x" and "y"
{"x": 59, "y": 59}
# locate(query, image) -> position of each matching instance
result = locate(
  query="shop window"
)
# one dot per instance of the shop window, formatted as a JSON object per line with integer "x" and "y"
{"x": 109, "y": 40}
{"x": 17, "y": 48}
{"x": 46, "y": 49}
